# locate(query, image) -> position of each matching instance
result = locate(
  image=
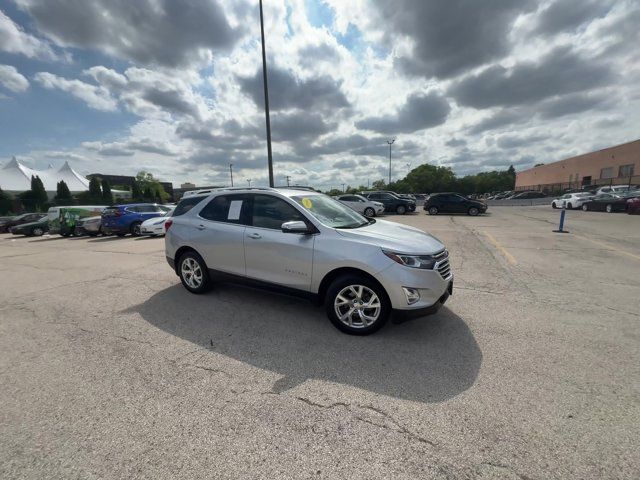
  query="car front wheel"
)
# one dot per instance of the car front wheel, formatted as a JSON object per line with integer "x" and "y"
{"x": 585, "y": 208}
{"x": 553, "y": 205}
{"x": 401, "y": 209}
{"x": 473, "y": 211}
{"x": 369, "y": 212}
{"x": 357, "y": 305}
{"x": 193, "y": 273}
{"x": 609, "y": 208}
{"x": 38, "y": 232}
{"x": 136, "y": 229}
{"x": 433, "y": 210}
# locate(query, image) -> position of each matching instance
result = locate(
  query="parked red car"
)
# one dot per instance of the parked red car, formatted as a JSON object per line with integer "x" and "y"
{"x": 633, "y": 206}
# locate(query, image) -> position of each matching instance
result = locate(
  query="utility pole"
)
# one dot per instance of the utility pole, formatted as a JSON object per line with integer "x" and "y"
{"x": 231, "y": 172}
{"x": 288, "y": 177}
{"x": 390, "y": 142}
{"x": 343, "y": 188}
{"x": 249, "y": 182}
{"x": 266, "y": 99}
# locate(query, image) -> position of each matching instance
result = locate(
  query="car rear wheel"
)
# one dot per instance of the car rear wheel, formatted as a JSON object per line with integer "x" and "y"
{"x": 553, "y": 205}
{"x": 357, "y": 305}
{"x": 433, "y": 210}
{"x": 38, "y": 232}
{"x": 369, "y": 212}
{"x": 401, "y": 209}
{"x": 569, "y": 206}
{"x": 609, "y": 208}
{"x": 136, "y": 229}
{"x": 193, "y": 273}
{"x": 473, "y": 211}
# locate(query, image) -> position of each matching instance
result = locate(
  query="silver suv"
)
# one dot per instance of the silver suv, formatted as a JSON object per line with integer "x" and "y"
{"x": 307, "y": 243}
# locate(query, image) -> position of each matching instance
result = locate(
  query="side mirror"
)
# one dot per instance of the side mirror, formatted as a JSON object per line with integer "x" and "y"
{"x": 295, "y": 227}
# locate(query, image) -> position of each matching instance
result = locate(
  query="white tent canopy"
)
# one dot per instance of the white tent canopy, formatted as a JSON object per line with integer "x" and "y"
{"x": 16, "y": 177}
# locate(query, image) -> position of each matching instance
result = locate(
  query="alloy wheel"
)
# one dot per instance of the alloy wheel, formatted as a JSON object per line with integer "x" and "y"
{"x": 357, "y": 306}
{"x": 191, "y": 273}
{"x": 369, "y": 212}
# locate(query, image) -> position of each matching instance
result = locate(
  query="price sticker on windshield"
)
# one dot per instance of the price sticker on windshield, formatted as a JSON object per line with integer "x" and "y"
{"x": 307, "y": 203}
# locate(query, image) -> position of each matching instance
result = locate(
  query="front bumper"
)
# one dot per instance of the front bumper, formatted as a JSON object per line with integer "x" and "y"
{"x": 431, "y": 285}
{"x": 424, "y": 311}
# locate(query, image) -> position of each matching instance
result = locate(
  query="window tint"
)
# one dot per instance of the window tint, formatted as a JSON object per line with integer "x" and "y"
{"x": 187, "y": 204}
{"x": 272, "y": 212}
{"x": 225, "y": 208}
{"x": 148, "y": 209}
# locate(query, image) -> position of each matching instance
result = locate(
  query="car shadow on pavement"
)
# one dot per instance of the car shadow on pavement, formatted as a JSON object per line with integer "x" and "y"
{"x": 110, "y": 238}
{"x": 427, "y": 359}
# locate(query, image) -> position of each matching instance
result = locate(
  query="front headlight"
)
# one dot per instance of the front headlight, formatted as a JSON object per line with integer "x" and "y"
{"x": 425, "y": 262}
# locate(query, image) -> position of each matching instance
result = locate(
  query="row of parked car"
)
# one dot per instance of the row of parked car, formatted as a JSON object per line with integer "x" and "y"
{"x": 93, "y": 220}
{"x": 615, "y": 201}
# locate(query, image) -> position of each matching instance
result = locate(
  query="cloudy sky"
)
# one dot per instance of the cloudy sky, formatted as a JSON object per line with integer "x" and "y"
{"x": 175, "y": 86}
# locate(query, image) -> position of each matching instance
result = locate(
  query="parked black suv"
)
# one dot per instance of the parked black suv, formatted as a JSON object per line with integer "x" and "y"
{"x": 391, "y": 202}
{"x": 449, "y": 202}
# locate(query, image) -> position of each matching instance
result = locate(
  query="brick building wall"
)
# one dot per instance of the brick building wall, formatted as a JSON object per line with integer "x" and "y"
{"x": 615, "y": 165}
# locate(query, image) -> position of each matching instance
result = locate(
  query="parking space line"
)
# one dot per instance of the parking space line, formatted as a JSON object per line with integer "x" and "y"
{"x": 510, "y": 258}
{"x": 609, "y": 247}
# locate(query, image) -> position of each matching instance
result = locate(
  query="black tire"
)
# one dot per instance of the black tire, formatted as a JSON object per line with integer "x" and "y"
{"x": 205, "y": 283}
{"x": 569, "y": 206}
{"x": 37, "y": 232}
{"x": 609, "y": 208}
{"x": 401, "y": 209}
{"x": 361, "y": 328}
{"x": 553, "y": 205}
{"x": 135, "y": 229}
{"x": 369, "y": 212}
{"x": 433, "y": 210}
{"x": 473, "y": 211}
{"x": 121, "y": 234}
{"x": 585, "y": 208}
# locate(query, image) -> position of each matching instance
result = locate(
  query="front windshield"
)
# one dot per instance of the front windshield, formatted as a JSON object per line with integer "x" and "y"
{"x": 330, "y": 212}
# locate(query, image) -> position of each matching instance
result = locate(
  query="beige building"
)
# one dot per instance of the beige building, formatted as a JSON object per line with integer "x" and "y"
{"x": 615, "y": 165}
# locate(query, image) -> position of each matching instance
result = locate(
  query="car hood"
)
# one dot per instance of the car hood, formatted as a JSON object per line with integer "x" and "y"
{"x": 395, "y": 237}
{"x": 152, "y": 221}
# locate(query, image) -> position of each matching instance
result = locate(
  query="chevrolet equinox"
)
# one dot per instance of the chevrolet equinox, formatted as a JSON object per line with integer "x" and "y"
{"x": 303, "y": 242}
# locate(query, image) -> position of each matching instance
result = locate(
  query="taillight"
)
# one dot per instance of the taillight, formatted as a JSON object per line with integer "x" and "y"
{"x": 167, "y": 224}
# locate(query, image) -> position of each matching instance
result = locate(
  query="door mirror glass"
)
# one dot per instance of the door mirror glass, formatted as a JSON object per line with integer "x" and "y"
{"x": 295, "y": 227}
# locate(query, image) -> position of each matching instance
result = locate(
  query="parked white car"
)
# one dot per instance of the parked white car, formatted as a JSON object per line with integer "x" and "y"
{"x": 155, "y": 226}
{"x": 309, "y": 244}
{"x": 613, "y": 189}
{"x": 571, "y": 200}
{"x": 362, "y": 205}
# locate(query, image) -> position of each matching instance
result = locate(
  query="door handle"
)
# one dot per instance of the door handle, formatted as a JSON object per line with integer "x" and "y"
{"x": 201, "y": 227}
{"x": 254, "y": 236}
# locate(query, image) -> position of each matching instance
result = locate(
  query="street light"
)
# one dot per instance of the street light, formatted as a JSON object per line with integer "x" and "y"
{"x": 231, "y": 171}
{"x": 390, "y": 142}
{"x": 266, "y": 99}
{"x": 249, "y": 182}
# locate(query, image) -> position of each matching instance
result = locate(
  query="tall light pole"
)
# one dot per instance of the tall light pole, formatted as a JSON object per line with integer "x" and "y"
{"x": 288, "y": 177}
{"x": 390, "y": 142}
{"x": 231, "y": 172}
{"x": 249, "y": 182}
{"x": 266, "y": 99}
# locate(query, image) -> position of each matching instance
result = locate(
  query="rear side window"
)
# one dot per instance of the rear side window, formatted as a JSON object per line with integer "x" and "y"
{"x": 226, "y": 208}
{"x": 187, "y": 204}
{"x": 110, "y": 211}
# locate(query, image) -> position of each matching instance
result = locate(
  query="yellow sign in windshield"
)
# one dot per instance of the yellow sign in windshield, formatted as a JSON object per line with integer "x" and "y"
{"x": 307, "y": 203}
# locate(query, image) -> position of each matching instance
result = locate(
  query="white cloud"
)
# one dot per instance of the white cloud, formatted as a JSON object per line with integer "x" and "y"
{"x": 11, "y": 79}
{"x": 95, "y": 97}
{"x": 14, "y": 39}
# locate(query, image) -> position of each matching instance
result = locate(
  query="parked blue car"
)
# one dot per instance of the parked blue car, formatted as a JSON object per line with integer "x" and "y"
{"x": 123, "y": 219}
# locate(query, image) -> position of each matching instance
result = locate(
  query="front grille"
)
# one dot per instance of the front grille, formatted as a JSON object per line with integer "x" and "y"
{"x": 443, "y": 266}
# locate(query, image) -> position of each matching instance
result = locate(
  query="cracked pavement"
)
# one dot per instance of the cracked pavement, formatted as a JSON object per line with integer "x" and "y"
{"x": 110, "y": 369}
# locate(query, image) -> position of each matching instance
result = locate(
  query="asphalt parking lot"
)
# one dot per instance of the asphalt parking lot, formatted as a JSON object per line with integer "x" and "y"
{"x": 110, "y": 369}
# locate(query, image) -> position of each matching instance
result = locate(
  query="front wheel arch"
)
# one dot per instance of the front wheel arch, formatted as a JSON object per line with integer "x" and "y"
{"x": 342, "y": 271}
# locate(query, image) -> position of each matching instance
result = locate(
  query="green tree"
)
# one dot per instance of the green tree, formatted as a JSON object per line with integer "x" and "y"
{"x": 63, "y": 195}
{"x": 379, "y": 185}
{"x": 6, "y": 203}
{"x": 95, "y": 192}
{"x": 146, "y": 180}
{"x": 148, "y": 194}
{"x": 35, "y": 198}
{"x": 136, "y": 193}
{"x": 107, "y": 196}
